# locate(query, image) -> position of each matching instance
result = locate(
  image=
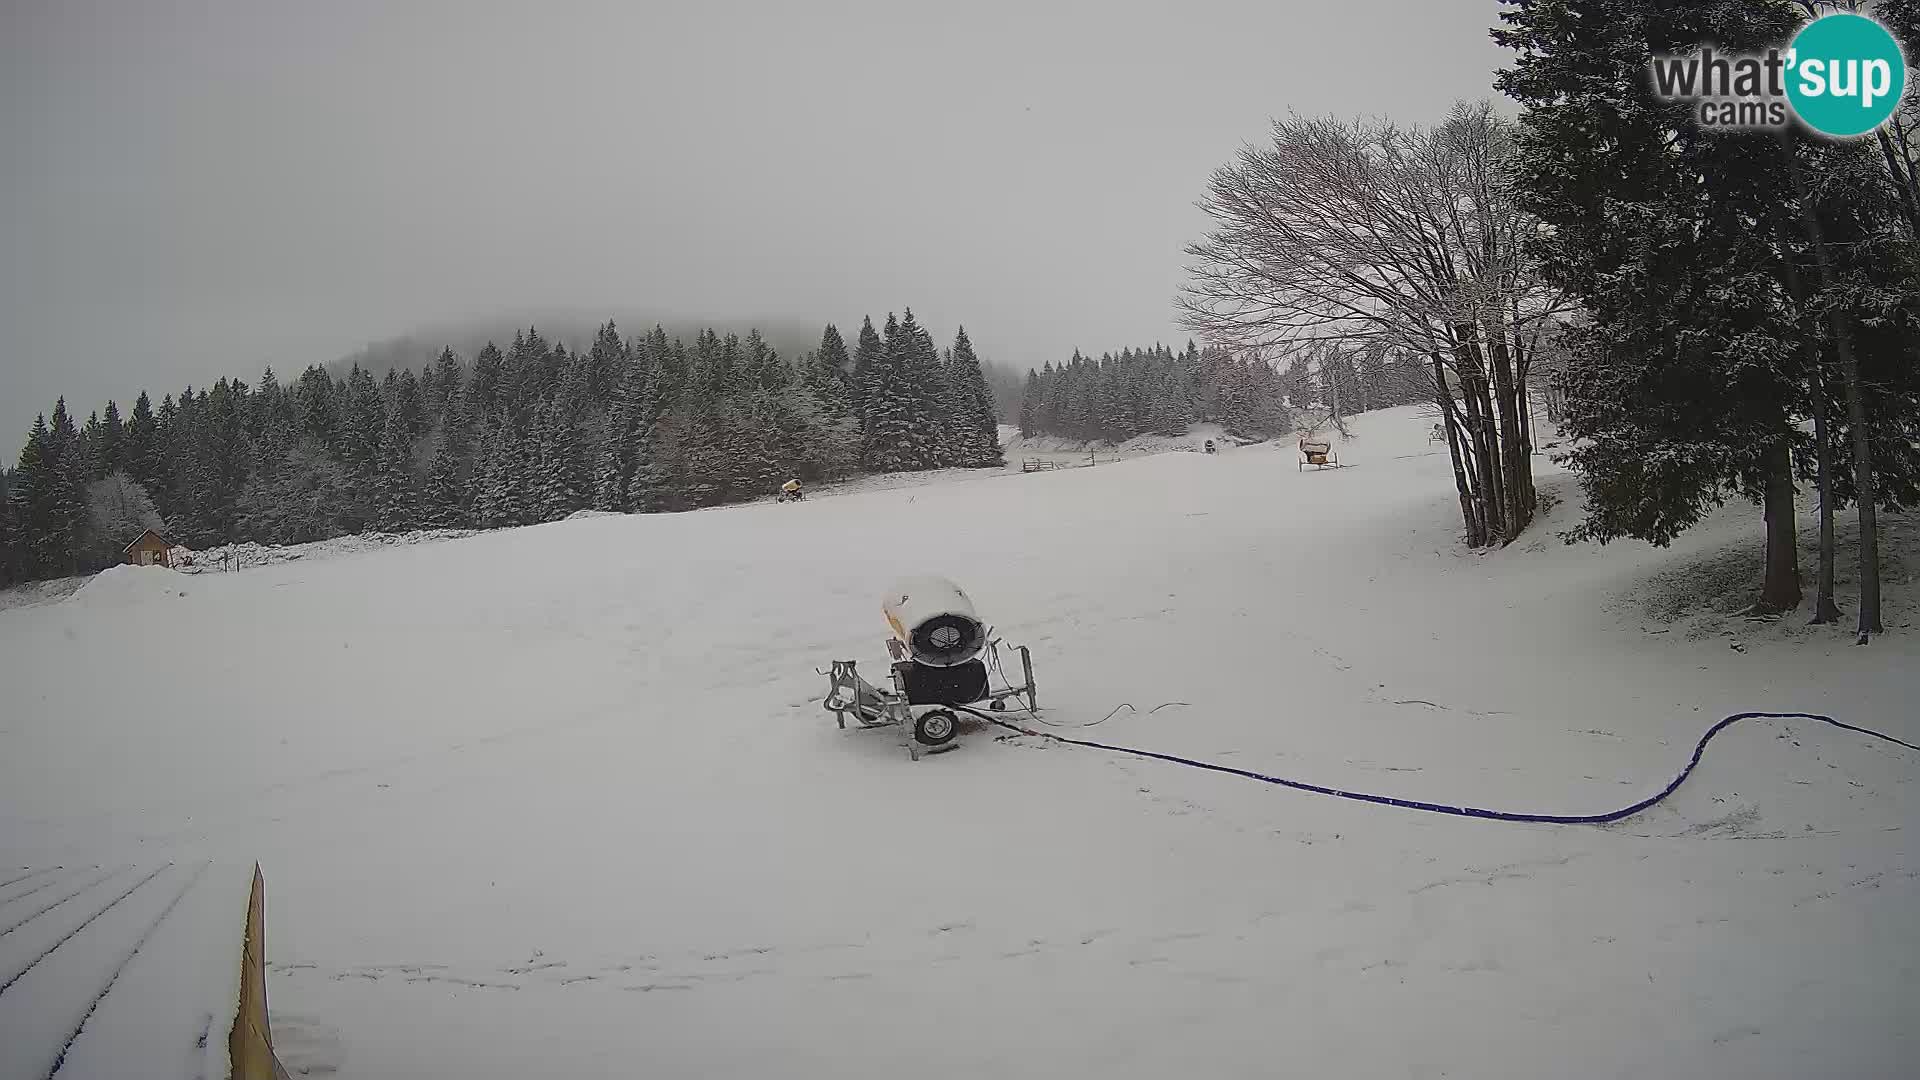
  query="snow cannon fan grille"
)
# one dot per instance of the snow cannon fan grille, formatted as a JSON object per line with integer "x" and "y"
{"x": 947, "y": 640}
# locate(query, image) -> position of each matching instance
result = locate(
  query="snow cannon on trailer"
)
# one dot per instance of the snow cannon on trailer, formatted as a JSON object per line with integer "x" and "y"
{"x": 944, "y": 658}
{"x": 1318, "y": 453}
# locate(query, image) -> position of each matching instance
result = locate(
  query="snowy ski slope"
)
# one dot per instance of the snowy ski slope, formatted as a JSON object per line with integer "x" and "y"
{"x": 561, "y": 801}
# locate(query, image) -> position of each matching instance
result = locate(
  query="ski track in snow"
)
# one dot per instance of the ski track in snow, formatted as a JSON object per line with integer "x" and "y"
{"x": 562, "y": 801}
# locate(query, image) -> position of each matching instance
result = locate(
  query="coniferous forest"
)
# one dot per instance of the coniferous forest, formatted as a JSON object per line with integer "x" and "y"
{"x": 1159, "y": 392}
{"x": 530, "y": 433}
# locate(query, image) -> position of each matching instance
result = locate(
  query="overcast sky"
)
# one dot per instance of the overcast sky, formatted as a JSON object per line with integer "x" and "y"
{"x": 191, "y": 189}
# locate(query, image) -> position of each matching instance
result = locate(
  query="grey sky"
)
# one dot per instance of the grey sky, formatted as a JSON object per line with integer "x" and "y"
{"x": 191, "y": 189}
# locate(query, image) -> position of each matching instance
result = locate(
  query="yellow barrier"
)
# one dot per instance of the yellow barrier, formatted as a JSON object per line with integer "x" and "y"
{"x": 250, "y": 1043}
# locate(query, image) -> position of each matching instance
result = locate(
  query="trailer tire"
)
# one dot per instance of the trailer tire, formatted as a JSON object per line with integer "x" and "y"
{"x": 936, "y": 727}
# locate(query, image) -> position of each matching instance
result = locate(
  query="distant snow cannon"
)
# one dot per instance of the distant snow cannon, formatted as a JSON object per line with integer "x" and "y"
{"x": 944, "y": 656}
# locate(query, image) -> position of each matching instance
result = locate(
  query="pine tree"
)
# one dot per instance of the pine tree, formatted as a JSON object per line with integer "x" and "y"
{"x": 1680, "y": 387}
{"x": 363, "y": 420}
{"x": 315, "y": 407}
{"x": 35, "y": 495}
{"x": 136, "y": 454}
{"x": 869, "y": 355}
{"x": 888, "y": 441}
{"x": 445, "y": 497}
{"x": 976, "y": 418}
{"x": 90, "y": 439}
{"x": 111, "y": 448}
{"x": 407, "y": 405}
{"x": 484, "y": 388}
{"x": 54, "y": 508}
{"x": 832, "y": 354}
{"x": 396, "y": 504}
{"x": 446, "y": 385}
{"x": 607, "y": 362}
{"x": 560, "y": 487}
{"x": 921, "y": 386}
{"x": 499, "y": 497}
{"x": 1030, "y": 406}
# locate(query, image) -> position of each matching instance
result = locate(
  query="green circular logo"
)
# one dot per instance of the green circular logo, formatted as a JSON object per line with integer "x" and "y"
{"x": 1847, "y": 75}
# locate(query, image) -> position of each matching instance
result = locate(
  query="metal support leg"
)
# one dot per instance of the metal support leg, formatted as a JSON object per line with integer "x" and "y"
{"x": 1026, "y": 662}
{"x": 906, "y": 715}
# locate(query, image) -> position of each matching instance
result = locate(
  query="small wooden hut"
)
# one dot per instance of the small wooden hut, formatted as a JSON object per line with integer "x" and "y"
{"x": 149, "y": 550}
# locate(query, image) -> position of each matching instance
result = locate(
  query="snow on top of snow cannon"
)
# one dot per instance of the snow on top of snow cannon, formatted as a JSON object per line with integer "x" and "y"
{"x": 933, "y": 618}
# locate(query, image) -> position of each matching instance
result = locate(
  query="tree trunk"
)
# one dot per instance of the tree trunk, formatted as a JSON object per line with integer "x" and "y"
{"x": 1824, "y": 608}
{"x": 1781, "y": 589}
{"x": 1517, "y": 483}
{"x": 1475, "y": 525}
{"x": 1866, "y": 490}
{"x": 1480, "y": 433}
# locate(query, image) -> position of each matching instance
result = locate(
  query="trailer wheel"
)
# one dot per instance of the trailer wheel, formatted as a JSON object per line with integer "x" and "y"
{"x": 936, "y": 728}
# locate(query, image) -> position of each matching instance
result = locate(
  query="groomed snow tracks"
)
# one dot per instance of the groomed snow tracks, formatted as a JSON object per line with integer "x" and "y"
{"x": 115, "y": 971}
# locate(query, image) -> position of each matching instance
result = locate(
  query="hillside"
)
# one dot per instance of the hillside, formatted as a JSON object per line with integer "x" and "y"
{"x": 562, "y": 801}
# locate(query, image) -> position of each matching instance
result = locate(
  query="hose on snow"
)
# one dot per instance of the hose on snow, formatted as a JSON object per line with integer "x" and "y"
{"x": 1444, "y": 808}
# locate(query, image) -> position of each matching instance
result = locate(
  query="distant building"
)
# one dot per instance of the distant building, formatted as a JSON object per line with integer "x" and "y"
{"x": 149, "y": 550}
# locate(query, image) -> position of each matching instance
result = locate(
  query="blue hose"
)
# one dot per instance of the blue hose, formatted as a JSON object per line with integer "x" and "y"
{"x": 1443, "y": 808}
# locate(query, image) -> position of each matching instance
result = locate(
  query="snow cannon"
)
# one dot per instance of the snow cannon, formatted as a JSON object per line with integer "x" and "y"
{"x": 945, "y": 658}
{"x": 933, "y": 623}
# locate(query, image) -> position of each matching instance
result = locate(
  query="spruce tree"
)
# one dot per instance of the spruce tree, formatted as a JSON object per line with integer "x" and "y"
{"x": 363, "y": 420}
{"x": 315, "y": 407}
{"x": 499, "y": 493}
{"x": 90, "y": 440}
{"x": 34, "y": 492}
{"x": 407, "y": 405}
{"x": 113, "y": 438}
{"x": 1681, "y": 386}
{"x": 891, "y": 441}
{"x": 1030, "y": 406}
{"x": 446, "y": 385}
{"x": 606, "y": 362}
{"x": 50, "y": 490}
{"x": 980, "y": 429}
{"x": 396, "y": 504}
{"x": 445, "y": 497}
{"x": 484, "y": 387}
{"x": 869, "y": 353}
{"x": 560, "y": 487}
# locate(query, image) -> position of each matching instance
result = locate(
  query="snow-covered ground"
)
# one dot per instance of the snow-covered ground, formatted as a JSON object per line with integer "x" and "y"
{"x": 1076, "y": 451}
{"x": 561, "y": 801}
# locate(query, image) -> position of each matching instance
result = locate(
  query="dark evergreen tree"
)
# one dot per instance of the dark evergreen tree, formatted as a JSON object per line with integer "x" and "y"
{"x": 608, "y": 361}
{"x": 445, "y": 394}
{"x": 978, "y": 424}
{"x": 396, "y": 502}
{"x": 1030, "y": 406}
{"x": 1684, "y": 385}
{"x": 890, "y": 442}
{"x": 868, "y": 354}
{"x": 559, "y": 484}
{"x": 483, "y": 399}
{"x": 362, "y": 420}
{"x": 90, "y": 439}
{"x": 140, "y": 453}
{"x": 315, "y": 408}
{"x": 34, "y": 490}
{"x": 407, "y": 406}
{"x": 444, "y": 503}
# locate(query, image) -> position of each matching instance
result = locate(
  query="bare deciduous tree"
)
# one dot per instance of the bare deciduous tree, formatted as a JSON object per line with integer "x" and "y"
{"x": 1368, "y": 234}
